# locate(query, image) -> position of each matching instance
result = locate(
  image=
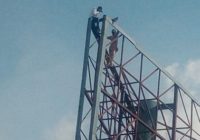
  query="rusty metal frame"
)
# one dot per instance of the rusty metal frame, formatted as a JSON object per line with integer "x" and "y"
{"x": 123, "y": 87}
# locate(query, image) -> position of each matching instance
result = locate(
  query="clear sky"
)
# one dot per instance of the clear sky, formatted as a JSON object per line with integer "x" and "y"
{"x": 41, "y": 56}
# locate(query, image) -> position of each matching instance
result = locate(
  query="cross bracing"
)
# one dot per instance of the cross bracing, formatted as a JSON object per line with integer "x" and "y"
{"x": 135, "y": 98}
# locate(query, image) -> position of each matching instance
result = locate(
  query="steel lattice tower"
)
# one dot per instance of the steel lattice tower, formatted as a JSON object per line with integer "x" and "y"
{"x": 135, "y": 99}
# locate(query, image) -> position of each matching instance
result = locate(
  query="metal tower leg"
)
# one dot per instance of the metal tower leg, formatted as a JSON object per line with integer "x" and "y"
{"x": 97, "y": 82}
{"x": 83, "y": 82}
{"x": 175, "y": 112}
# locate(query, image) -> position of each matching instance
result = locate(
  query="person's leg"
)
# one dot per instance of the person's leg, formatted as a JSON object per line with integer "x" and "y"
{"x": 93, "y": 26}
{"x": 111, "y": 55}
{"x": 96, "y": 29}
{"x": 96, "y": 34}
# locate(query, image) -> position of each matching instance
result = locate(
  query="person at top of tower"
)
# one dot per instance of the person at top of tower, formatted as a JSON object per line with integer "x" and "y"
{"x": 95, "y": 13}
{"x": 113, "y": 47}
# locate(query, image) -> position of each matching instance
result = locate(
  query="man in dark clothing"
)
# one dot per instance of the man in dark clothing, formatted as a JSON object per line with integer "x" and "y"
{"x": 95, "y": 22}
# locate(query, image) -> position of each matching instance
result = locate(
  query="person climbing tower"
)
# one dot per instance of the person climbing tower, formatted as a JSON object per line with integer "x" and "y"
{"x": 113, "y": 47}
{"x": 95, "y": 17}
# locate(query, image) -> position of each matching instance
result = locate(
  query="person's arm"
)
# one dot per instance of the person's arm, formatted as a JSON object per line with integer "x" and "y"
{"x": 101, "y": 20}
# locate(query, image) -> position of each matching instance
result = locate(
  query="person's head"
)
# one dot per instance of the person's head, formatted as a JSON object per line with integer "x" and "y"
{"x": 100, "y": 9}
{"x": 114, "y": 32}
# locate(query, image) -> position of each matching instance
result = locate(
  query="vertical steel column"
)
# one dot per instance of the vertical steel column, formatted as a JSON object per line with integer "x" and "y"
{"x": 175, "y": 112}
{"x": 97, "y": 81}
{"x": 83, "y": 82}
{"x": 139, "y": 100}
{"x": 191, "y": 117}
{"x": 121, "y": 98}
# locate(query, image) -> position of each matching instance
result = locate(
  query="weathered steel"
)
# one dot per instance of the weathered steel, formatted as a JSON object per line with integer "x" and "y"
{"x": 97, "y": 82}
{"x": 83, "y": 82}
{"x": 117, "y": 97}
{"x": 175, "y": 112}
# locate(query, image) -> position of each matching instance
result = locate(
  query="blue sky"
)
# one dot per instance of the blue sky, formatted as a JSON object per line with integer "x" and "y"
{"x": 41, "y": 56}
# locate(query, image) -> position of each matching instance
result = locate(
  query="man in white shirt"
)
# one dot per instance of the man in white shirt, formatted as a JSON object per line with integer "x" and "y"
{"x": 95, "y": 22}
